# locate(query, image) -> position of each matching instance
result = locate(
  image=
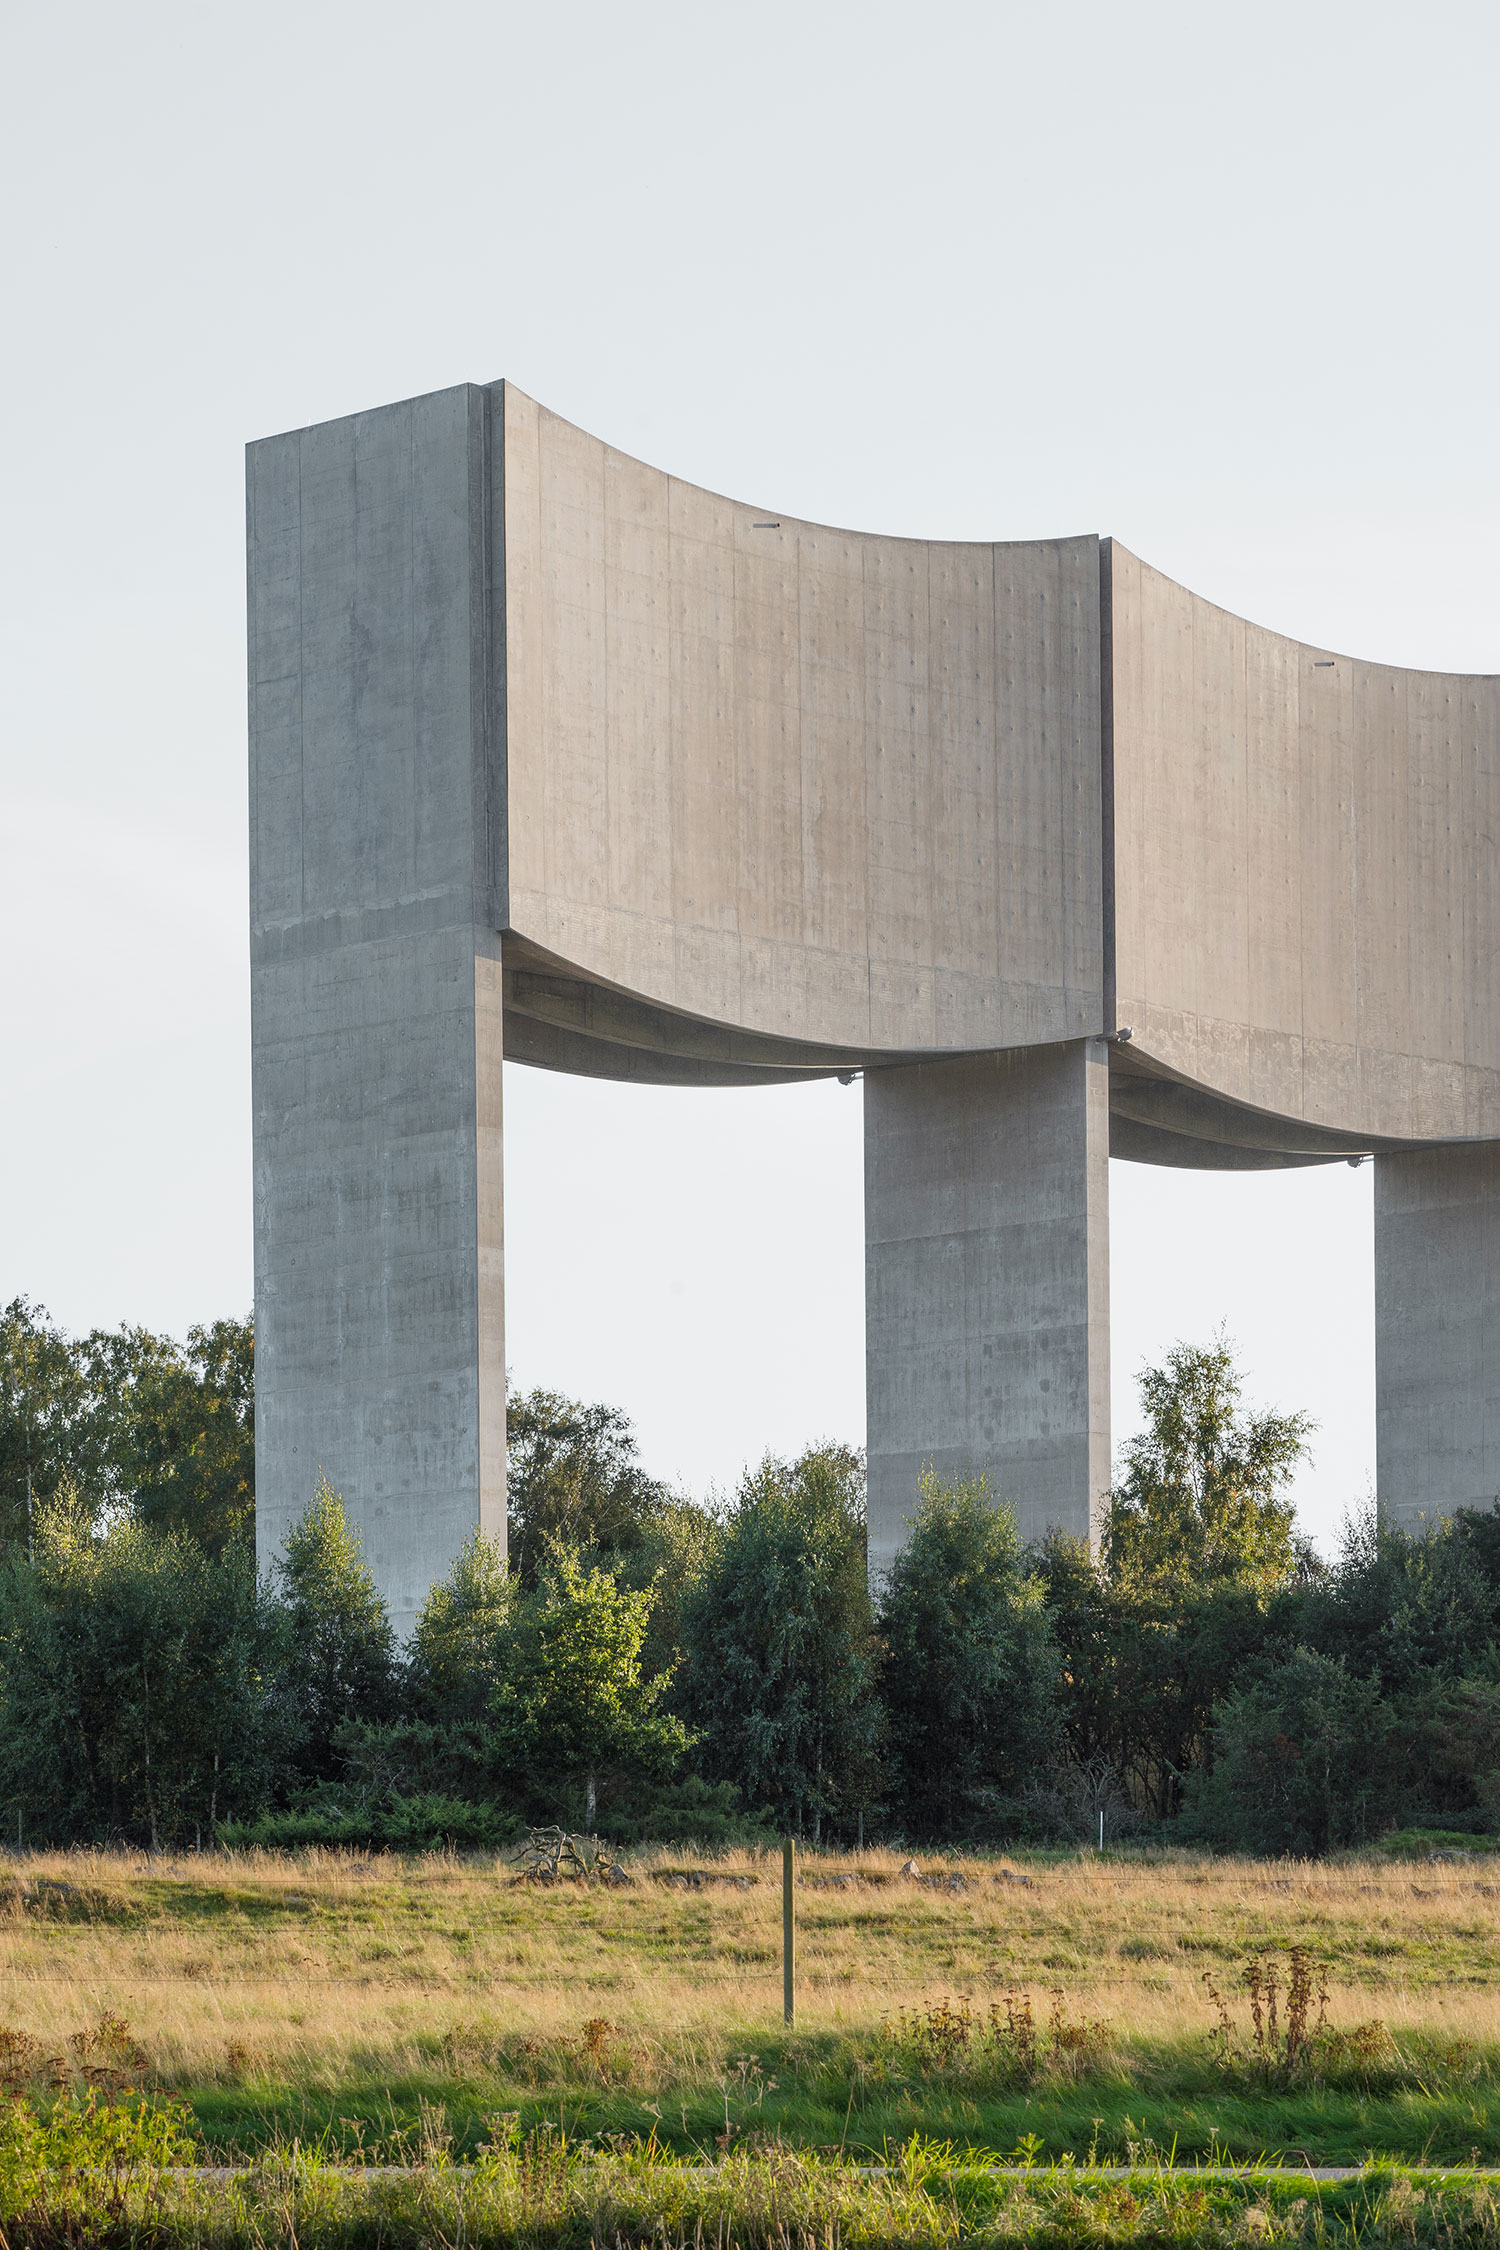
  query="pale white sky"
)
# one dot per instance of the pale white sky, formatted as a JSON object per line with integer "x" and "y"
{"x": 1220, "y": 281}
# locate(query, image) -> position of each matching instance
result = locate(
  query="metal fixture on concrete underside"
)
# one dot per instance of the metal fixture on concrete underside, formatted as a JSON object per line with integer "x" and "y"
{"x": 556, "y": 756}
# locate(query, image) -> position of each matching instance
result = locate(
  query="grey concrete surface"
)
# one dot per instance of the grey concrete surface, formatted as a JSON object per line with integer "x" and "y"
{"x": 1305, "y": 870}
{"x": 987, "y": 1284}
{"x": 1437, "y": 1332}
{"x": 815, "y": 784}
{"x": 744, "y": 800}
{"x": 375, "y": 980}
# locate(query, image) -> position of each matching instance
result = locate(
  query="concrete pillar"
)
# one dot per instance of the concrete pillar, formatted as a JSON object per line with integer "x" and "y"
{"x": 987, "y": 1283}
{"x": 1437, "y": 1331}
{"x": 375, "y": 986}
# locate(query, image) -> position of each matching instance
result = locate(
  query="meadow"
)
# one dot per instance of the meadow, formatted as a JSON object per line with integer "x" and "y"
{"x": 352, "y": 2001}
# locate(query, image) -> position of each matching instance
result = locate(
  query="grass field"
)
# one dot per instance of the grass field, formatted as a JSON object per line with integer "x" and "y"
{"x": 329, "y": 1996}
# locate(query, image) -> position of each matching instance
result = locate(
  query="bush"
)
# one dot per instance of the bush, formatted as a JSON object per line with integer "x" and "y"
{"x": 781, "y": 1675}
{"x": 1299, "y": 1762}
{"x": 338, "y": 1657}
{"x": 133, "y": 1682}
{"x": 391, "y": 1823}
{"x": 971, "y": 1669}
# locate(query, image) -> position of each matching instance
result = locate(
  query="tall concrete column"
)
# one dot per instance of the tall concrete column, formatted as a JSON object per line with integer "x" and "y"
{"x": 987, "y": 1283}
{"x": 1437, "y": 1331}
{"x": 375, "y": 985}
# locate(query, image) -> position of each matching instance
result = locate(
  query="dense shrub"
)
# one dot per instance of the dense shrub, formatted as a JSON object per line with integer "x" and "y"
{"x": 971, "y": 1673}
{"x": 133, "y": 1683}
{"x": 1299, "y": 1762}
{"x": 338, "y": 1654}
{"x": 781, "y": 1677}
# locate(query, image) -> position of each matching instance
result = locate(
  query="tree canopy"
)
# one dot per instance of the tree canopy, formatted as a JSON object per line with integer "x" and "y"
{"x": 972, "y": 1671}
{"x": 1202, "y": 1500}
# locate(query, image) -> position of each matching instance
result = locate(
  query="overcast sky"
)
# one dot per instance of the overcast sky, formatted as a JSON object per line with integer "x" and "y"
{"x": 1220, "y": 280}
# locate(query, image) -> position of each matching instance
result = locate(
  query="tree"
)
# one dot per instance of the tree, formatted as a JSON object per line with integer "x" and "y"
{"x": 44, "y": 1402}
{"x": 971, "y": 1666}
{"x": 129, "y": 1420}
{"x": 340, "y": 1651}
{"x": 189, "y": 1441}
{"x": 1409, "y": 1604}
{"x": 572, "y": 1706}
{"x": 573, "y": 1475}
{"x": 1299, "y": 1761}
{"x": 781, "y": 1676}
{"x": 133, "y": 1682}
{"x": 1202, "y": 1498}
{"x": 456, "y": 1647}
{"x": 677, "y": 1540}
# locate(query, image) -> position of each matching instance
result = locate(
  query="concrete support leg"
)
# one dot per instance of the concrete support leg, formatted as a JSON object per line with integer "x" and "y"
{"x": 379, "y": 1231}
{"x": 987, "y": 1284}
{"x": 377, "y": 867}
{"x": 1437, "y": 1332}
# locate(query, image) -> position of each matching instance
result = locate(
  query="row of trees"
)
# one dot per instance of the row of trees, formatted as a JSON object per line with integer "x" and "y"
{"x": 127, "y": 1420}
{"x": 649, "y": 1666}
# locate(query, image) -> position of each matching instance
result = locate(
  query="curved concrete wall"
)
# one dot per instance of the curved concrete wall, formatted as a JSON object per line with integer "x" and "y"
{"x": 812, "y": 784}
{"x": 1306, "y": 870}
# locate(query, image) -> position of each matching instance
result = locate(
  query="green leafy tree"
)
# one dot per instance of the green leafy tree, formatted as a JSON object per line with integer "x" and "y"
{"x": 1445, "y": 1739}
{"x": 457, "y": 1647}
{"x": 1408, "y": 1604}
{"x": 677, "y": 1542}
{"x": 340, "y": 1661}
{"x": 130, "y": 1420}
{"x": 44, "y": 1411}
{"x": 188, "y": 1444}
{"x": 1300, "y": 1761}
{"x": 134, "y": 1674}
{"x": 574, "y": 1476}
{"x": 1199, "y": 1548}
{"x": 573, "y": 1708}
{"x": 1202, "y": 1500}
{"x": 782, "y": 1672}
{"x": 971, "y": 1671}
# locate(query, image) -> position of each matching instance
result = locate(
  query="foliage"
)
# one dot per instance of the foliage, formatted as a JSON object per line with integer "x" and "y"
{"x": 1202, "y": 1500}
{"x": 188, "y": 1450}
{"x": 1300, "y": 1761}
{"x": 1404, "y": 1604}
{"x": 129, "y": 1421}
{"x": 1003, "y": 2045}
{"x": 971, "y": 1673}
{"x": 677, "y": 1542}
{"x": 339, "y": 1651}
{"x": 669, "y": 1665}
{"x": 115, "y": 2173}
{"x": 132, "y": 1681}
{"x": 1198, "y": 1545}
{"x": 338, "y": 1820}
{"x": 455, "y": 1647}
{"x": 94, "y": 2169}
{"x": 782, "y": 1673}
{"x": 573, "y": 1476}
{"x": 571, "y": 1707}
{"x": 45, "y": 1409}
{"x": 1283, "y": 2034}
{"x": 1141, "y": 1676}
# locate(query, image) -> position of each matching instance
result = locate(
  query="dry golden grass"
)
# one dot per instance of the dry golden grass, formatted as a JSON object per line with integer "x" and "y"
{"x": 314, "y": 1968}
